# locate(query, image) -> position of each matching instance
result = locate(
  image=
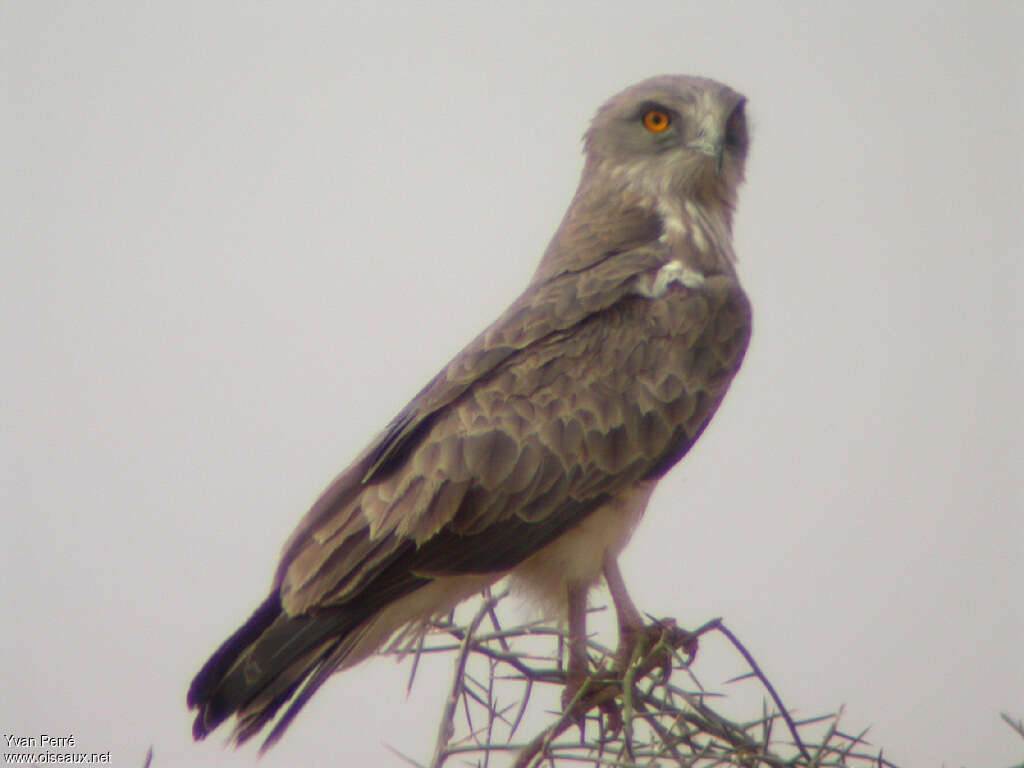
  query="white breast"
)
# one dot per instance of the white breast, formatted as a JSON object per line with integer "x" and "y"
{"x": 577, "y": 556}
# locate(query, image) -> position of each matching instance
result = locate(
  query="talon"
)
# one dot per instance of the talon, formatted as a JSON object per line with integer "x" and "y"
{"x": 613, "y": 717}
{"x": 647, "y": 637}
{"x": 571, "y": 706}
{"x": 575, "y": 710}
{"x": 666, "y": 669}
{"x": 680, "y": 639}
{"x": 690, "y": 644}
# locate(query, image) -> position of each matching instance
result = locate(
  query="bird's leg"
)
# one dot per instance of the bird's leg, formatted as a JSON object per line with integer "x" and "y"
{"x": 576, "y": 673}
{"x": 632, "y": 629}
{"x": 579, "y": 663}
{"x": 631, "y": 625}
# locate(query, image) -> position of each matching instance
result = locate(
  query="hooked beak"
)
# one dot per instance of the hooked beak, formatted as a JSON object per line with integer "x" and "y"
{"x": 710, "y": 140}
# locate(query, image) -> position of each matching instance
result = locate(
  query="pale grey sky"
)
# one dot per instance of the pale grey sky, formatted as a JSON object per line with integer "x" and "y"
{"x": 237, "y": 237}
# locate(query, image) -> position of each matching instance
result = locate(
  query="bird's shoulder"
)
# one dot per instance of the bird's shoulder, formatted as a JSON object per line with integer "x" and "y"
{"x": 554, "y": 306}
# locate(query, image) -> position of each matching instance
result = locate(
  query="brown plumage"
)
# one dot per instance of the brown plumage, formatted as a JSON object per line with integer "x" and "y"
{"x": 535, "y": 450}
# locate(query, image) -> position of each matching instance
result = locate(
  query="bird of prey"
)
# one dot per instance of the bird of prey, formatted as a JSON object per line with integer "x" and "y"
{"x": 533, "y": 453}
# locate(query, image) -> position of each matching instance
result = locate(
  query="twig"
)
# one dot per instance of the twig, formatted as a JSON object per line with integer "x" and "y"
{"x": 767, "y": 684}
{"x": 654, "y": 721}
{"x": 447, "y": 728}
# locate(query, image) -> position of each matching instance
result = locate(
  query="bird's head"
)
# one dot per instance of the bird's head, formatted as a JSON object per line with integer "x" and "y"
{"x": 674, "y": 135}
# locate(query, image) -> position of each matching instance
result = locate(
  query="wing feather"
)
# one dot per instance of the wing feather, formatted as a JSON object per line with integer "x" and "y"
{"x": 555, "y": 306}
{"x": 560, "y": 304}
{"x": 532, "y": 445}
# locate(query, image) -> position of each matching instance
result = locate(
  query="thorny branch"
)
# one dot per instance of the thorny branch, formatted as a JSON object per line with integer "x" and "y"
{"x": 637, "y": 717}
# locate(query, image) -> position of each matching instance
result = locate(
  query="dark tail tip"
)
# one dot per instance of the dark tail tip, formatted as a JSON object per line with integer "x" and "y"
{"x": 201, "y": 690}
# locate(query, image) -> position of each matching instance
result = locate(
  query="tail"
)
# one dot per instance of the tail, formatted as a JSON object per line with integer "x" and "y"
{"x": 259, "y": 668}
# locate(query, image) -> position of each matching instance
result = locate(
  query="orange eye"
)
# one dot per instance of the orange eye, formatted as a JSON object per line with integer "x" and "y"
{"x": 656, "y": 120}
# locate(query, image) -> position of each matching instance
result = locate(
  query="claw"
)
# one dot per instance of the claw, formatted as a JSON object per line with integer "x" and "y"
{"x": 577, "y": 700}
{"x": 571, "y": 700}
{"x": 661, "y": 637}
{"x": 612, "y": 722}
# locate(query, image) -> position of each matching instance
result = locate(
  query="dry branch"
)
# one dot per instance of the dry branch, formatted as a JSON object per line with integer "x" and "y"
{"x": 653, "y": 713}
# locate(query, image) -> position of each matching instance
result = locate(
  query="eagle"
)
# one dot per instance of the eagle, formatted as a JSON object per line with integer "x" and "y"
{"x": 534, "y": 452}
